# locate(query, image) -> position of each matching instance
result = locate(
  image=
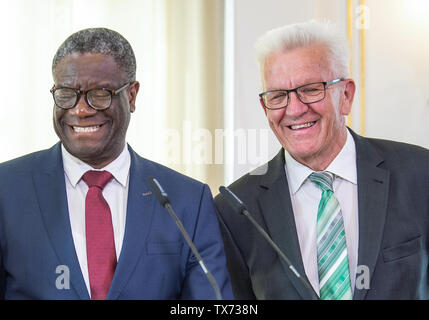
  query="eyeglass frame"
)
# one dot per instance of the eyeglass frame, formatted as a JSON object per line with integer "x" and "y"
{"x": 288, "y": 92}
{"x": 79, "y": 92}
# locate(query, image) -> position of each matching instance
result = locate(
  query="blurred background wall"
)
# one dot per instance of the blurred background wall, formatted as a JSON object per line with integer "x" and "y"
{"x": 197, "y": 109}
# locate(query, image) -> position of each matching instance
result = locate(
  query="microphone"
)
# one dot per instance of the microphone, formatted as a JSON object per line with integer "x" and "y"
{"x": 164, "y": 201}
{"x": 239, "y": 207}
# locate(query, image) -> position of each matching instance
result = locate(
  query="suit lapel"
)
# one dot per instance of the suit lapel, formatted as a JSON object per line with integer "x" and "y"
{"x": 373, "y": 187}
{"x": 140, "y": 209}
{"x": 51, "y": 194}
{"x": 278, "y": 214}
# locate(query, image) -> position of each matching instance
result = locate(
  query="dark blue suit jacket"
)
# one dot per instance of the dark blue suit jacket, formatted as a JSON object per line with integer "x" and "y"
{"x": 155, "y": 262}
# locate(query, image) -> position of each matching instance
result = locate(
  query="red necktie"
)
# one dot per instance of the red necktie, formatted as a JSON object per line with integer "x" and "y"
{"x": 100, "y": 244}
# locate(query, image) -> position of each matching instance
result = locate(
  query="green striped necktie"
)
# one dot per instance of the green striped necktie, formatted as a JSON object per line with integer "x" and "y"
{"x": 332, "y": 260}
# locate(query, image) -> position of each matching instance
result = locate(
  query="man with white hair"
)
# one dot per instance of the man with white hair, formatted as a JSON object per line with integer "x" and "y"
{"x": 350, "y": 213}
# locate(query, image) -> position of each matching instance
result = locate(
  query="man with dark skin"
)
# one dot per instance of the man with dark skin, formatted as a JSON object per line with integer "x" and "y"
{"x": 96, "y": 138}
{"x": 79, "y": 220}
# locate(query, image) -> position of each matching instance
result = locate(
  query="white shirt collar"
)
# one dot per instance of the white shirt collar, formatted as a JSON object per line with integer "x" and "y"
{"x": 75, "y": 168}
{"x": 343, "y": 166}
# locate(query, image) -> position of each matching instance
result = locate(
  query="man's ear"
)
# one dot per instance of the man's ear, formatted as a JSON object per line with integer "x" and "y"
{"x": 347, "y": 96}
{"x": 133, "y": 90}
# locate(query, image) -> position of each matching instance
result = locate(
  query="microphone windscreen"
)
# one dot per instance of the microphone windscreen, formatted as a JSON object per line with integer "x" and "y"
{"x": 156, "y": 188}
{"x": 235, "y": 203}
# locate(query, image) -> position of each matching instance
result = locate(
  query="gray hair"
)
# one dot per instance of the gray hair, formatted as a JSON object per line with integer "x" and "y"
{"x": 103, "y": 41}
{"x": 303, "y": 35}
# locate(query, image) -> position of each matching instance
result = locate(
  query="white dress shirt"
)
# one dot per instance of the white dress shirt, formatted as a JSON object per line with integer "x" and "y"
{"x": 305, "y": 197}
{"x": 115, "y": 193}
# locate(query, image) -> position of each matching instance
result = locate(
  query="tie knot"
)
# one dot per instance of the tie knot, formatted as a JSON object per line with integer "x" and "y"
{"x": 323, "y": 179}
{"x": 97, "y": 178}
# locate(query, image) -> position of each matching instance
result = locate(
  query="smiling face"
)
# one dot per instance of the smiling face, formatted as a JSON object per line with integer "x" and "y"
{"x": 95, "y": 137}
{"x": 312, "y": 133}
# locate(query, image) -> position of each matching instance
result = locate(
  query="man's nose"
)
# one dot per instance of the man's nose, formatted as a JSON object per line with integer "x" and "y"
{"x": 295, "y": 108}
{"x": 82, "y": 108}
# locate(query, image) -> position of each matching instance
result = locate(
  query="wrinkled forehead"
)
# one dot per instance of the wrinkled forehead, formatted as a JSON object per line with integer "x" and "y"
{"x": 294, "y": 67}
{"x": 87, "y": 68}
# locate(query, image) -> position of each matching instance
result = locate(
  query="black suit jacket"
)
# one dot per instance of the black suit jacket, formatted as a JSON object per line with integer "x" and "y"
{"x": 393, "y": 201}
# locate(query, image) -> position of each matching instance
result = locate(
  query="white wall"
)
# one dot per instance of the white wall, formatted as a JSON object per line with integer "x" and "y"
{"x": 398, "y": 71}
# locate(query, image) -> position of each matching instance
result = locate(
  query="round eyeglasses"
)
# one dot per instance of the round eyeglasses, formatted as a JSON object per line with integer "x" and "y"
{"x": 99, "y": 99}
{"x": 307, "y": 93}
